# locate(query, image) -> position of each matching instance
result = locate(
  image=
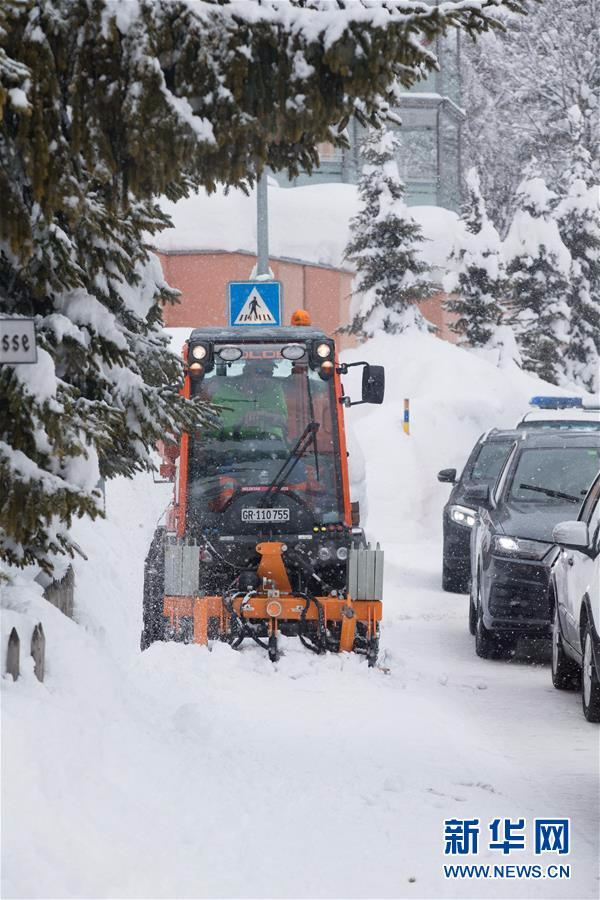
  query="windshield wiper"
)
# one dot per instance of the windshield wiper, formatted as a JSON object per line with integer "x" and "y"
{"x": 296, "y": 453}
{"x": 550, "y": 493}
{"x": 312, "y": 418}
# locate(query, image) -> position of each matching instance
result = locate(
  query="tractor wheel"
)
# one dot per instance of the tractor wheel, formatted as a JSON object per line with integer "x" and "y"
{"x": 154, "y": 587}
{"x": 373, "y": 649}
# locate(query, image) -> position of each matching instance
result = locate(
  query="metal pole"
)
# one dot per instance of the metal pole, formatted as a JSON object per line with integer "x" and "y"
{"x": 262, "y": 226}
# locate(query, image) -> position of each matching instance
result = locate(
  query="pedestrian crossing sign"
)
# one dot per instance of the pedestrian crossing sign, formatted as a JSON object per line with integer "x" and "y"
{"x": 255, "y": 303}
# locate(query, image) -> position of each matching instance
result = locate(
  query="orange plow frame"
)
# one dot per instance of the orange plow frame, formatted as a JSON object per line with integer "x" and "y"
{"x": 291, "y": 608}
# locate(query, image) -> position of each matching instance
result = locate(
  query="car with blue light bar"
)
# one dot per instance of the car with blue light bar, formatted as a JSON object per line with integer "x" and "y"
{"x": 563, "y": 413}
{"x": 482, "y": 468}
{"x": 543, "y": 482}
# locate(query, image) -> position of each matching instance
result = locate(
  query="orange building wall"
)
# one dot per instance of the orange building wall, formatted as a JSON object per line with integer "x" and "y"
{"x": 202, "y": 278}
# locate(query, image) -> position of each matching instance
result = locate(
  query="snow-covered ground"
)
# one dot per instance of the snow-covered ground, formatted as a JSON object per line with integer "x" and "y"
{"x": 183, "y": 772}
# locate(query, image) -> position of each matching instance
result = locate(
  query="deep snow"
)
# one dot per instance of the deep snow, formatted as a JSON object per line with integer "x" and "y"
{"x": 187, "y": 773}
{"x": 310, "y": 223}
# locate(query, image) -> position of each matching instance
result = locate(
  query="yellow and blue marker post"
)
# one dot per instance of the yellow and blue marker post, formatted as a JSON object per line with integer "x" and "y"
{"x": 406, "y": 419}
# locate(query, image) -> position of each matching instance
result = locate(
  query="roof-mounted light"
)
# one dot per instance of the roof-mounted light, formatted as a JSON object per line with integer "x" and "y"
{"x": 293, "y": 351}
{"x": 301, "y": 317}
{"x": 557, "y": 402}
{"x": 229, "y": 354}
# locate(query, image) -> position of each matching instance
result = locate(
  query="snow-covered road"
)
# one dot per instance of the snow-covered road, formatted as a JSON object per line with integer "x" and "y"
{"x": 186, "y": 773}
{"x": 182, "y": 773}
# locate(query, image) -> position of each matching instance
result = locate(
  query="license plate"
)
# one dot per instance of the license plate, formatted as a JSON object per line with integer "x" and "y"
{"x": 257, "y": 514}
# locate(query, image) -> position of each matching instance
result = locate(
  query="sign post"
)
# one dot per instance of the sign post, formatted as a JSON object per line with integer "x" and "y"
{"x": 262, "y": 227}
{"x": 17, "y": 341}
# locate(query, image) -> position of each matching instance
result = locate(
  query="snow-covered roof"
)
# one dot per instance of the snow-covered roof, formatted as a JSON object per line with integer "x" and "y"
{"x": 305, "y": 223}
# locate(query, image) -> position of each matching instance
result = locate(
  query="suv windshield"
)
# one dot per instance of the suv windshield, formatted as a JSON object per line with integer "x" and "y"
{"x": 264, "y": 460}
{"x": 552, "y": 475}
{"x": 489, "y": 462}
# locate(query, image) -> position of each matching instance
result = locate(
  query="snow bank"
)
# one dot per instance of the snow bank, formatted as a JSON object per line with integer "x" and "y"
{"x": 308, "y": 223}
{"x": 455, "y": 395}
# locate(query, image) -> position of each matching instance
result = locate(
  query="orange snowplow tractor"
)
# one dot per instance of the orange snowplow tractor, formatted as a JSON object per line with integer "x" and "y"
{"x": 301, "y": 317}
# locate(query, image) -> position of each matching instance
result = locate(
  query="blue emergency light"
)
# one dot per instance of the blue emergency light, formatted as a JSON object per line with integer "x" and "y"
{"x": 557, "y": 402}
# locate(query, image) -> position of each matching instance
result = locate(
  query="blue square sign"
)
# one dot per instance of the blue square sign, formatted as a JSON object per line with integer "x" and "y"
{"x": 255, "y": 303}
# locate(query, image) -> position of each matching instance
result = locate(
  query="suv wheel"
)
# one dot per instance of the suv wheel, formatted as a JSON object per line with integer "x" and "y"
{"x": 565, "y": 672}
{"x": 454, "y": 579}
{"x": 486, "y": 644}
{"x": 590, "y": 678}
{"x": 472, "y": 608}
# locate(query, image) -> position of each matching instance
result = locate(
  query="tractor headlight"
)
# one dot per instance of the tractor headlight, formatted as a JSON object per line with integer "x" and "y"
{"x": 519, "y": 547}
{"x": 199, "y": 351}
{"x": 463, "y": 515}
{"x": 342, "y": 553}
{"x": 323, "y": 351}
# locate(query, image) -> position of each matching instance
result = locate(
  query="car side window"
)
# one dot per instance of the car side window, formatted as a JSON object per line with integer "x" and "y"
{"x": 489, "y": 462}
{"x": 590, "y": 504}
{"x": 594, "y": 524}
{"x": 498, "y": 488}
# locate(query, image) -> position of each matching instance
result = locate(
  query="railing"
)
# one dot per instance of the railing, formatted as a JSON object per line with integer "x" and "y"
{"x": 38, "y": 652}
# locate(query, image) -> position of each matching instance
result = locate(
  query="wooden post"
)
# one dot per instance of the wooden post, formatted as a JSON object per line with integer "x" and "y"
{"x": 38, "y": 651}
{"x": 12, "y": 654}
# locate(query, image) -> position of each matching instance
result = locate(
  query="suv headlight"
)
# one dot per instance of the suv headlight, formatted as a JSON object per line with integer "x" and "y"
{"x": 463, "y": 515}
{"x": 519, "y": 547}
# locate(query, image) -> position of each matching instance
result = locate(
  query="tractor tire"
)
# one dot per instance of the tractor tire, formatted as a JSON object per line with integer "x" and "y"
{"x": 565, "y": 672}
{"x": 373, "y": 649}
{"x": 154, "y": 588}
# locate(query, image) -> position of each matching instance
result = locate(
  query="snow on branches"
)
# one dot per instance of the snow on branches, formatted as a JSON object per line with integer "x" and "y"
{"x": 578, "y": 217}
{"x": 538, "y": 266}
{"x": 384, "y": 244}
{"x": 105, "y": 106}
{"x": 476, "y": 279}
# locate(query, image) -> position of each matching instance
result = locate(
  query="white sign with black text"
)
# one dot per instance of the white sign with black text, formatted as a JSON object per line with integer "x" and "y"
{"x": 17, "y": 341}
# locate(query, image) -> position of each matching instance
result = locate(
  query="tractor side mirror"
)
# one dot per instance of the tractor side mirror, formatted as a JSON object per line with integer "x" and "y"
{"x": 373, "y": 384}
{"x": 478, "y": 493}
{"x": 447, "y": 475}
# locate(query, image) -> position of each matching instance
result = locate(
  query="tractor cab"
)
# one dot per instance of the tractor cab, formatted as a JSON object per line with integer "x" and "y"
{"x": 262, "y": 505}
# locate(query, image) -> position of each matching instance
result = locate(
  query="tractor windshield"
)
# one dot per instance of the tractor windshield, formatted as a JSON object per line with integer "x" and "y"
{"x": 270, "y": 461}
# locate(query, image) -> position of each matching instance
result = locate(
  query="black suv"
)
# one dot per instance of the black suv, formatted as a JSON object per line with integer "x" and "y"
{"x": 544, "y": 482}
{"x": 482, "y": 469}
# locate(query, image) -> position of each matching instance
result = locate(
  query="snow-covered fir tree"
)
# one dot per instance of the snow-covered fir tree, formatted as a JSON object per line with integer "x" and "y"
{"x": 532, "y": 90}
{"x": 384, "y": 245}
{"x": 578, "y": 216}
{"x": 106, "y": 106}
{"x": 538, "y": 267}
{"x": 476, "y": 277}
